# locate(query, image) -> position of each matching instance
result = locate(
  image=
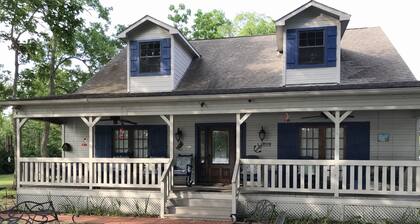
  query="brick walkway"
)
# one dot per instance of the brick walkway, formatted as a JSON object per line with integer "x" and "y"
{"x": 132, "y": 220}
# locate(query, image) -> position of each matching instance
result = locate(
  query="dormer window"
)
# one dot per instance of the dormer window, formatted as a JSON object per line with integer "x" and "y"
{"x": 311, "y": 47}
{"x": 150, "y": 56}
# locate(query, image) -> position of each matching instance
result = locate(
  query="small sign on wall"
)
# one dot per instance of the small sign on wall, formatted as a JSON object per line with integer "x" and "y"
{"x": 84, "y": 143}
{"x": 384, "y": 137}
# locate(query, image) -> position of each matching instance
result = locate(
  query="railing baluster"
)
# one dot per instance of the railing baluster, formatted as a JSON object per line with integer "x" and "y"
{"x": 288, "y": 177}
{"x": 295, "y": 176}
{"x": 147, "y": 174}
{"x": 392, "y": 179}
{"x": 280, "y": 168}
{"x": 376, "y": 178}
{"x": 74, "y": 172}
{"x": 99, "y": 170}
{"x": 317, "y": 176}
{"x": 409, "y": 179}
{"x": 368, "y": 178}
{"x": 259, "y": 183}
{"x": 359, "y": 177}
{"x": 384, "y": 179}
{"x": 141, "y": 174}
{"x": 325, "y": 176}
{"x": 310, "y": 177}
{"x": 117, "y": 173}
{"x": 344, "y": 175}
{"x": 352, "y": 178}
{"x": 153, "y": 173}
{"x": 302, "y": 177}
{"x": 111, "y": 173}
{"x": 122, "y": 165}
{"x": 265, "y": 176}
{"x": 273, "y": 176}
{"x": 251, "y": 175}
{"x": 53, "y": 172}
{"x": 129, "y": 173}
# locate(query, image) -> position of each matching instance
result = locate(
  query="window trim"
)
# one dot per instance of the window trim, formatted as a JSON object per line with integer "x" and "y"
{"x": 298, "y": 31}
{"x": 322, "y": 142}
{"x": 141, "y": 74}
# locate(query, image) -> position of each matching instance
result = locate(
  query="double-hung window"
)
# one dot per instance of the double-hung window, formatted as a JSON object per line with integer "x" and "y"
{"x": 311, "y": 49}
{"x": 150, "y": 57}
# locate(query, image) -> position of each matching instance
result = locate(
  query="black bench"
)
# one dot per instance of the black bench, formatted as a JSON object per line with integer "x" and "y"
{"x": 30, "y": 212}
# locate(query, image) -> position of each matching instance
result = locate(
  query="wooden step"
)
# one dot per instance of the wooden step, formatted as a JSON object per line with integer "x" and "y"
{"x": 199, "y": 202}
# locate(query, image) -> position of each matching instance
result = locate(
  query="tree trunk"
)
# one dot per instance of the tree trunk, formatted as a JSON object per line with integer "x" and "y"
{"x": 46, "y": 133}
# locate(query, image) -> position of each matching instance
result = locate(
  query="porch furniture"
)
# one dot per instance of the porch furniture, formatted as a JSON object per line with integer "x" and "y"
{"x": 183, "y": 167}
{"x": 30, "y": 212}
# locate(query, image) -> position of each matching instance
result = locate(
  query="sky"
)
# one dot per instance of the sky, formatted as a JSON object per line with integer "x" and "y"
{"x": 397, "y": 18}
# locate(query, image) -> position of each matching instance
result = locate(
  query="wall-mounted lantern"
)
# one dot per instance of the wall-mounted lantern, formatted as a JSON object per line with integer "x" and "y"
{"x": 261, "y": 134}
{"x": 178, "y": 136}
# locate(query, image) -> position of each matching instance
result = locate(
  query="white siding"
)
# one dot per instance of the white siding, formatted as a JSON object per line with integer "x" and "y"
{"x": 181, "y": 61}
{"x": 76, "y": 133}
{"x": 401, "y": 125}
{"x": 149, "y": 31}
{"x": 313, "y": 17}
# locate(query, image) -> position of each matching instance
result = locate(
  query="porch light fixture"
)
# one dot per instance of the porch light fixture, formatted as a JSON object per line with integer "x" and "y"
{"x": 178, "y": 135}
{"x": 261, "y": 134}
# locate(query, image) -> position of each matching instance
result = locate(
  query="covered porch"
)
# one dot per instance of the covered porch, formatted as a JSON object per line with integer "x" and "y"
{"x": 336, "y": 146}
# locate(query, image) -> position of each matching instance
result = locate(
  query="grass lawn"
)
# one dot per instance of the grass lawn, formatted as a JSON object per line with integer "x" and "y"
{"x": 7, "y": 194}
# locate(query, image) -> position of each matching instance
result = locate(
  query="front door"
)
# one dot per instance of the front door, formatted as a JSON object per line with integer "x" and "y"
{"x": 216, "y": 153}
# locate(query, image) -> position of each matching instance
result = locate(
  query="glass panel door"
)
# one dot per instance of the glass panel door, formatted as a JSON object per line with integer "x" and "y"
{"x": 220, "y": 149}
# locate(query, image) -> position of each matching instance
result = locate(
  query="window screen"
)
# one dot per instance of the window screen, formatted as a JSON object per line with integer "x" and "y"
{"x": 311, "y": 47}
{"x": 150, "y": 56}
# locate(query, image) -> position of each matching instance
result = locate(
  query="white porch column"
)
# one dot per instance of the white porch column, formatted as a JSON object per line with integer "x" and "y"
{"x": 90, "y": 122}
{"x": 239, "y": 121}
{"x": 19, "y": 124}
{"x": 170, "y": 123}
{"x": 337, "y": 118}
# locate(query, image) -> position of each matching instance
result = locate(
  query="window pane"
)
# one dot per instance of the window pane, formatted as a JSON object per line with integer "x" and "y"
{"x": 220, "y": 143}
{"x": 150, "y": 57}
{"x": 311, "y": 55}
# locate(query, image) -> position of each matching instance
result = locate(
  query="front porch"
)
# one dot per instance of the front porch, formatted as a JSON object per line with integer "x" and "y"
{"x": 257, "y": 168}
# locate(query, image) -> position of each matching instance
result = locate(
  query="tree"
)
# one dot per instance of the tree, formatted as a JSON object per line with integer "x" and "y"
{"x": 180, "y": 16}
{"x": 251, "y": 23}
{"x": 210, "y": 25}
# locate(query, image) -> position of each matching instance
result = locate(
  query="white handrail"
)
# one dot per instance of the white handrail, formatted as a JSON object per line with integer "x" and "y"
{"x": 165, "y": 186}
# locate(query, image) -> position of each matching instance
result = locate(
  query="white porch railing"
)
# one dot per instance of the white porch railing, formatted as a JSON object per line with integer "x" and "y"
{"x": 318, "y": 176}
{"x": 107, "y": 172}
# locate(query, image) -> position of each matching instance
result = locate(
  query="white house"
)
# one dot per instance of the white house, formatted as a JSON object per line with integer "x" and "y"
{"x": 317, "y": 118}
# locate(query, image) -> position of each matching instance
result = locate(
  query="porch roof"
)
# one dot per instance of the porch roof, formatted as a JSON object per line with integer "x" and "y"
{"x": 378, "y": 88}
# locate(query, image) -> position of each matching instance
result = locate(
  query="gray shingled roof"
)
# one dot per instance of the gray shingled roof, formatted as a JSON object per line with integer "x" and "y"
{"x": 252, "y": 62}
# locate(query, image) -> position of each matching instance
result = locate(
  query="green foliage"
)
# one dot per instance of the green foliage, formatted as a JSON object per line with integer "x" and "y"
{"x": 31, "y": 140}
{"x": 210, "y": 25}
{"x": 180, "y": 16}
{"x": 251, "y": 23}
{"x": 214, "y": 24}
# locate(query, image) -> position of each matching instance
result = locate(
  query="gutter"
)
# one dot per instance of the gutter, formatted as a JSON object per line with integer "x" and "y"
{"x": 183, "y": 98}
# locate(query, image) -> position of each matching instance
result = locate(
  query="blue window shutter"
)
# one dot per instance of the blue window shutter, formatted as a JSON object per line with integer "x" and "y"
{"x": 158, "y": 137}
{"x": 357, "y": 140}
{"x": 331, "y": 45}
{"x": 134, "y": 57}
{"x": 288, "y": 141}
{"x": 291, "y": 48}
{"x": 165, "y": 56}
{"x": 103, "y": 141}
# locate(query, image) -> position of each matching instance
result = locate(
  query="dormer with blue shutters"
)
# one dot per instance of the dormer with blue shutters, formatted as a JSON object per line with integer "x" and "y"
{"x": 158, "y": 56}
{"x": 310, "y": 38}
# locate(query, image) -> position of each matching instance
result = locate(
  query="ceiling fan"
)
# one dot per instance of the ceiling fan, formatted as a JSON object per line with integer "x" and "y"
{"x": 321, "y": 115}
{"x": 117, "y": 119}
